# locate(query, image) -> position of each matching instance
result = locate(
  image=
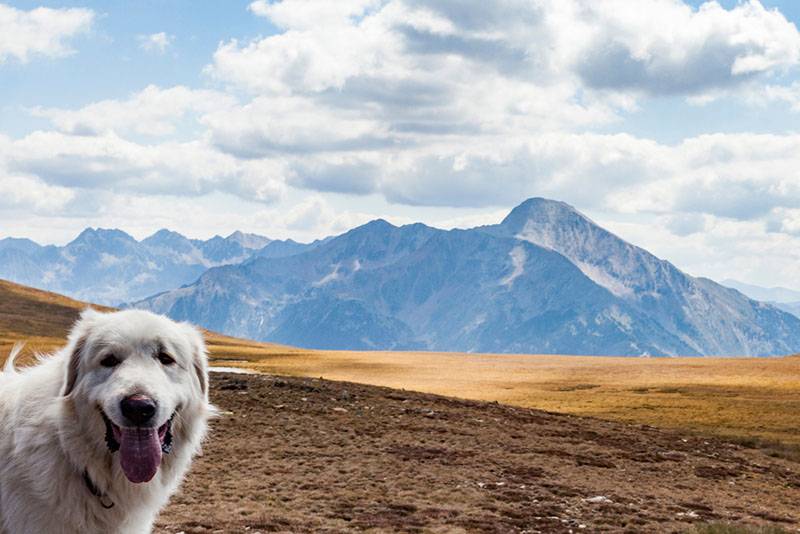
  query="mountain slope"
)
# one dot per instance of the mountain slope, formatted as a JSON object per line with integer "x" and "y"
{"x": 782, "y": 295}
{"x": 789, "y": 307}
{"x": 782, "y": 298}
{"x": 110, "y": 266}
{"x": 545, "y": 280}
{"x": 708, "y": 317}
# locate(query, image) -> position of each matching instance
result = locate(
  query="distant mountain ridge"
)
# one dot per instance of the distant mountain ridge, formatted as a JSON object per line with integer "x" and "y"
{"x": 545, "y": 280}
{"x": 111, "y": 267}
{"x": 783, "y": 298}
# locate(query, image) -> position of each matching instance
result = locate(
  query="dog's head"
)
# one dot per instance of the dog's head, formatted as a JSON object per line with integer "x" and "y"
{"x": 132, "y": 375}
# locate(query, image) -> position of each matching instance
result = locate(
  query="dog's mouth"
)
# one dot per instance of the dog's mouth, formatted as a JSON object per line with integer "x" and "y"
{"x": 140, "y": 448}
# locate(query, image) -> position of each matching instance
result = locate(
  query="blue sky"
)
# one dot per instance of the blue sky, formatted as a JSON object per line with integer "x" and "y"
{"x": 674, "y": 124}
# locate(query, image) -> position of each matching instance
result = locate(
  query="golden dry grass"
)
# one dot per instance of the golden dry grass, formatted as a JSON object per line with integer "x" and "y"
{"x": 42, "y": 319}
{"x": 746, "y": 399}
{"x": 742, "y": 398}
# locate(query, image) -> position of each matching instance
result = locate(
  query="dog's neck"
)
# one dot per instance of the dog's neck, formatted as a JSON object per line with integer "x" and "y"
{"x": 105, "y": 501}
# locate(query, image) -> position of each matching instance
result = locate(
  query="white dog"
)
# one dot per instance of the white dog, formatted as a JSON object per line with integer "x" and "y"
{"x": 95, "y": 438}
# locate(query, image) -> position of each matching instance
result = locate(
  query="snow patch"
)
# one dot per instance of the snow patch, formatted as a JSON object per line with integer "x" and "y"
{"x": 233, "y": 370}
{"x": 330, "y": 277}
{"x": 477, "y": 322}
{"x": 109, "y": 260}
{"x": 518, "y": 257}
{"x": 622, "y": 319}
{"x": 532, "y": 233}
{"x": 602, "y": 278}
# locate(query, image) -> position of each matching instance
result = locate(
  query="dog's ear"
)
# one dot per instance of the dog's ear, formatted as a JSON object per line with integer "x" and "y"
{"x": 73, "y": 365}
{"x": 77, "y": 344}
{"x": 199, "y": 356}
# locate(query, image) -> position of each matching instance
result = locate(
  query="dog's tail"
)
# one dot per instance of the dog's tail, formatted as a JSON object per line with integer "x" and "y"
{"x": 9, "y": 366}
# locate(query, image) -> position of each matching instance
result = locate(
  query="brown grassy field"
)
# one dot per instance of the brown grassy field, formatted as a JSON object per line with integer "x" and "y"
{"x": 738, "y": 398}
{"x": 311, "y": 455}
{"x": 743, "y": 399}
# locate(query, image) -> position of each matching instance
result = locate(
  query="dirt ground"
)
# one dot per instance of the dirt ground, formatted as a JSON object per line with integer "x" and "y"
{"x": 309, "y": 455}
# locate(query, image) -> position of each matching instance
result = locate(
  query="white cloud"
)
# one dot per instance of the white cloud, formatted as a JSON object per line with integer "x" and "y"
{"x": 40, "y": 32}
{"x": 437, "y": 103}
{"x": 311, "y": 13}
{"x": 662, "y": 46}
{"x": 270, "y": 125}
{"x": 30, "y": 193}
{"x": 471, "y": 221}
{"x": 669, "y": 48}
{"x": 581, "y": 168}
{"x": 152, "y": 111}
{"x": 155, "y": 42}
{"x": 108, "y": 161}
{"x": 786, "y": 220}
{"x": 315, "y": 214}
{"x": 767, "y": 94}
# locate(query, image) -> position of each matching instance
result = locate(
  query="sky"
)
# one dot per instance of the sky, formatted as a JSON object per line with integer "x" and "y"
{"x": 673, "y": 124}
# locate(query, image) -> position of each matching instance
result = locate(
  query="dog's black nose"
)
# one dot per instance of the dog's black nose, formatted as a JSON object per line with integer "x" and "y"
{"x": 138, "y": 409}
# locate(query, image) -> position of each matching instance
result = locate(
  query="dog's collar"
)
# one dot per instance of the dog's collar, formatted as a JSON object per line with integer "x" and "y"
{"x": 105, "y": 502}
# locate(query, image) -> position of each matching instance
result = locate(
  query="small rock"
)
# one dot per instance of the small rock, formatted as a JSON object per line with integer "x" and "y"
{"x": 690, "y": 514}
{"x": 598, "y": 499}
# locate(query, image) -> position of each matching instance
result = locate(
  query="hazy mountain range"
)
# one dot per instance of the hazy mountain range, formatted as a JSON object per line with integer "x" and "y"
{"x": 545, "y": 280}
{"x": 111, "y": 267}
{"x": 781, "y": 297}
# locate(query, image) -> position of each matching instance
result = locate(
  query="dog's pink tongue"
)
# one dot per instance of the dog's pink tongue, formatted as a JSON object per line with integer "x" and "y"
{"x": 140, "y": 453}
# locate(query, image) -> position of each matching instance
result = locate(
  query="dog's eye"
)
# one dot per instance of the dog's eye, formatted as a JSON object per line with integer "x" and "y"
{"x": 165, "y": 358}
{"x": 109, "y": 361}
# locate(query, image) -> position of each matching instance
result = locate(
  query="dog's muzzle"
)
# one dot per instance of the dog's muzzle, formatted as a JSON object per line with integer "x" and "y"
{"x": 112, "y": 430}
{"x": 140, "y": 448}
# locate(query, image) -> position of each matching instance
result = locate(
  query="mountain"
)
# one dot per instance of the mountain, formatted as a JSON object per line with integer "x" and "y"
{"x": 110, "y": 266}
{"x": 782, "y": 298}
{"x": 249, "y": 241}
{"x": 288, "y": 247}
{"x": 789, "y": 307}
{"x": 545, "y": 280}
{"x": 780, "y": 295}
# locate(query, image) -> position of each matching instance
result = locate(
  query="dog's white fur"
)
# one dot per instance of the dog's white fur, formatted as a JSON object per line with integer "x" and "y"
{"x": 52, "y": 431}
